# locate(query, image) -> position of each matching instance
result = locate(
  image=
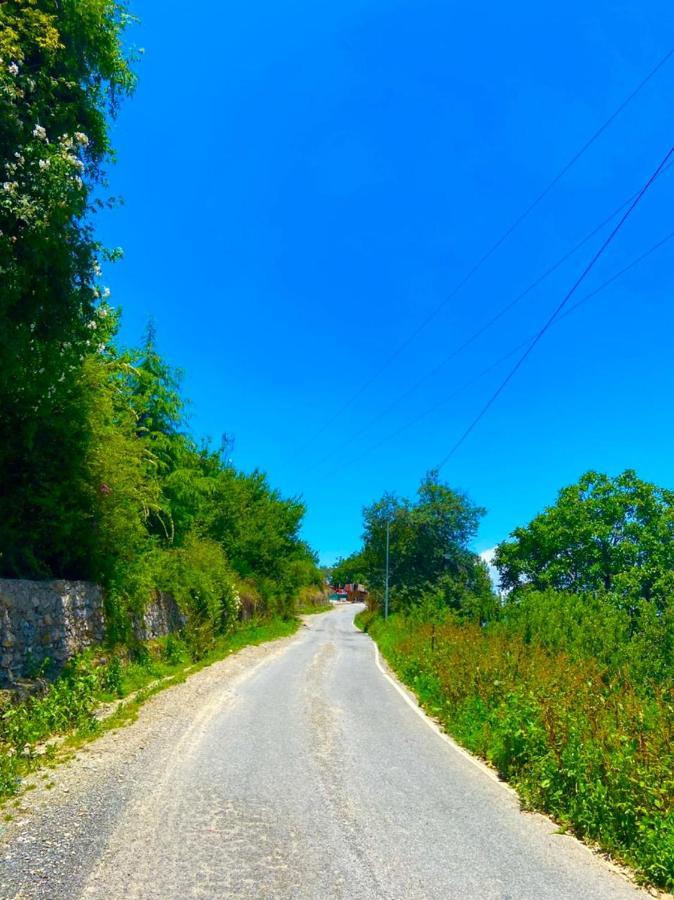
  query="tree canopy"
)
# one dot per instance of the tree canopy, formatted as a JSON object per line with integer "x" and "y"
{"x": 429, "y": 553}
{"x": 100, "y": 477}
{"x": 603, "y": 534}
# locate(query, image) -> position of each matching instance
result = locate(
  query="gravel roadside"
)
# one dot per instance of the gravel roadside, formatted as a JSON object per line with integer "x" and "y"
{"x": 64, "y": 817}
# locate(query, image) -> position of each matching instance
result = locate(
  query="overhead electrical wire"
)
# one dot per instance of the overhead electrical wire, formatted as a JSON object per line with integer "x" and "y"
{"x": 356, "y": 435}
{"x": 502, "y": 359}
{"x": 586, "y": 271}
{"x": 496, "y": 245}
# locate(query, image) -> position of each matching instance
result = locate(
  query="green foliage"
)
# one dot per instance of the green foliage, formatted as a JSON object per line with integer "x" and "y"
{"x": 567, "y": 687}
{"x": 62, "y": 72}
{"x": 68, "y": 703}
{"x": 604, "y": 534}
{"x": 198, "y": 576}
{"x": 99, "y": 476}
{"x": 428, "y": 551}
{"x": 349, "y": 570}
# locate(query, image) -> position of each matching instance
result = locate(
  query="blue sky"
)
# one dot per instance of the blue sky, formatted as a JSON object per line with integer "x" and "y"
{"x": 305, "y": 182}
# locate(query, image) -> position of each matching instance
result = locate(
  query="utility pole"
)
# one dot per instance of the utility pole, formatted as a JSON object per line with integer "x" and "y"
{"x": 388, "y": 544}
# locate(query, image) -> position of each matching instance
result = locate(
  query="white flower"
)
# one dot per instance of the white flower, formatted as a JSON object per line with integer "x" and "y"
{"x": 101, "y": 348}
{"x": 81, "y": 138}
{"x": 106, "y": 292}
{"x": 13, "y": 68}
{"x": 44, "y": 163}
{"x": 9, "y": 186}
{"x": 40, "y": 132}
{"x": 91, "y": 324}
{"x": 102, "y": 312}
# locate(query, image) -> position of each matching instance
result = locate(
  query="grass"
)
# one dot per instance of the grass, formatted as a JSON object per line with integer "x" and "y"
{"x": 311, "y": 609}
{"x": 67, "y": 711}
{"x": 587, "y": 745}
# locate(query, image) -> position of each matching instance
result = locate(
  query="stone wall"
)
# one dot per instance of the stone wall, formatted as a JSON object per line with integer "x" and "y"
{"x": 54, "y": 620}
{"x": 162, "y": 616}
{"x": 42, "y": 620}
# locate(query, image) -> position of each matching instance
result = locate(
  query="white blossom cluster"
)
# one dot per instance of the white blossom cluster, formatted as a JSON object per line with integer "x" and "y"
{"x": 43, "y": 177}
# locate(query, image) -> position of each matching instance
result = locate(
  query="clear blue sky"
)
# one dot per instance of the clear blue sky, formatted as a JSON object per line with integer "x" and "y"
{"x": 305, "y": 181}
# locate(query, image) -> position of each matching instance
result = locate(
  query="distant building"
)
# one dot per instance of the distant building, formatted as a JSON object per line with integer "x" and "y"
{"x": 357, "y": 593}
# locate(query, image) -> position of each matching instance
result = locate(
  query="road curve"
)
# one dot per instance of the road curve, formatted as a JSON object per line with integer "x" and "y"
{"x": 301, "y": 772}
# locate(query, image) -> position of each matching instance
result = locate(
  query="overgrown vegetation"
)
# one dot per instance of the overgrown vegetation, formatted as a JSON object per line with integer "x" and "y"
{"x": 100, "y": 477}
{"x": 567, "y": 684}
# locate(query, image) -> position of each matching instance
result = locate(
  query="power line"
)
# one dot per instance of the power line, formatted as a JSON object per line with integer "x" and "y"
{"x": 479, "y": 331}
{"x": 554, "y": 315}
{"x": 496, "y": 245}
{"x": 502, "y": 359}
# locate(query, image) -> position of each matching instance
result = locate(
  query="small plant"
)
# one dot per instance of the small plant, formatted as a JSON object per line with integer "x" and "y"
{"x": 174, "y": 650}
{"x": 110, "y": 677}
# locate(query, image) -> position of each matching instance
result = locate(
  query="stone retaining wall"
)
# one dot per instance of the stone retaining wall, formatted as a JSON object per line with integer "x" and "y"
{"x": 46, "y": 620}
{"x": 162, "y": 616}
{"x": 53, "y": 620}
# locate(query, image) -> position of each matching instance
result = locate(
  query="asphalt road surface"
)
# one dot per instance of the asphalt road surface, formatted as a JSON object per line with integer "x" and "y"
{"x": 297, "y": 770}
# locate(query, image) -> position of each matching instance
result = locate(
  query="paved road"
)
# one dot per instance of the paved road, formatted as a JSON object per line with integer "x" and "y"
{"x": 301, "y": 772}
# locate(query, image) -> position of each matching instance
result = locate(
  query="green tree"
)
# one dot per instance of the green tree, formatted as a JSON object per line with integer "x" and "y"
{"x": 428, "y": 548}
{"x": 62, "y": 73}
{"x": 614, "y": 535}
{"x": 99, "y": 475}
{"x": 349, "y": 570}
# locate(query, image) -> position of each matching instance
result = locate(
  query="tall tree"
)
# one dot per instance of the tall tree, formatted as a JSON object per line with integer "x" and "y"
{"x": 428, "y": 546}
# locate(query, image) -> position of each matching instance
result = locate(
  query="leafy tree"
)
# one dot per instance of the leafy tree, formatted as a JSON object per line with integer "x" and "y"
{"x": 99, "y": 476}
{"x": 614, "y": 535}
{"x": 349, "y": 570}
{"x": 428, "y": 548}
